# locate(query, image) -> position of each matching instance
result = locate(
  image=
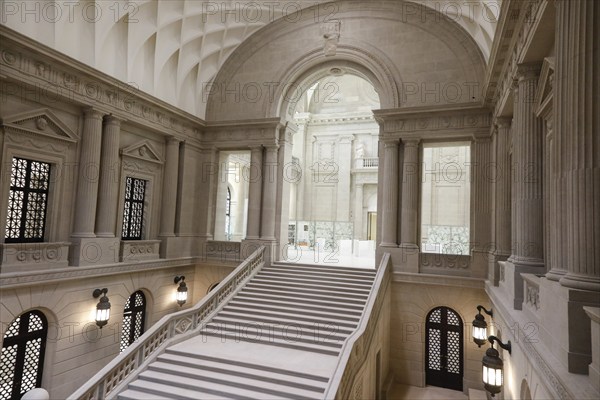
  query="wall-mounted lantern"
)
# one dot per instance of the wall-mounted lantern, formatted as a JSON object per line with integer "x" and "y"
{"x": 493, "y": 367}
{"x": 102, "y": 308}
{"x": 480, "y": 326}
{"x": 182, "y": 290}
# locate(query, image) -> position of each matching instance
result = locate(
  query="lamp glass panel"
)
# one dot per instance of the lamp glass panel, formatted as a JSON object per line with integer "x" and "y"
{"x": 492, "y": 376}
{"x": 181, "y": 296}
{"x": 102, "y": 315}
{"x": 479, "y": 333}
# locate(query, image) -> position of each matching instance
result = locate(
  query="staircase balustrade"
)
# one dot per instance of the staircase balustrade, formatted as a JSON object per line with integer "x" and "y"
{"x": 171, "y": 329}
{"x": 355, "y": 350}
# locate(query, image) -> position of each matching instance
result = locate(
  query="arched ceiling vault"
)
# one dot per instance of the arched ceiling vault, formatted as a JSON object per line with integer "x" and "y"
{"x": 172, "y": 48}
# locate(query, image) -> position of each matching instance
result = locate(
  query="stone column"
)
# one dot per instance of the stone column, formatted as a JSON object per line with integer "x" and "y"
{"x": 481, "y": 205}
{"x": 358, "y": 211}
{"x": 254, "y": 193}
{"x": 390, "y": 195}
{"x": 503, "y": 190}
{"x": 527, "y": 194}
{"x": 108, "y": 198}
{"x": 344, "y": 153}
{"x": 577, "y": 129}
{"x": 169, "y": 193}
{"x": 88, "y": 178}
{"x": 269, "y": 193}
{"x": 410, "y": 194}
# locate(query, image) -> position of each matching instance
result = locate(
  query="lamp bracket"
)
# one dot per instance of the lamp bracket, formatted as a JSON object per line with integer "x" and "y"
{"x": 179, "y": 278}
{"x": 506, "y": 346}
{"x": 485, "y": 310}
{"x": 98, "y": 292}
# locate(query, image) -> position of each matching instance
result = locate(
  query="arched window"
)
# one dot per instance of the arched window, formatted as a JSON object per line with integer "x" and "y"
{"x": 134, "y": 317}
{"x": 444, "y": 349}
{"x": 228, "y": 215}
{"x": 22, "y": 359}
{"x": 212, "y": 287}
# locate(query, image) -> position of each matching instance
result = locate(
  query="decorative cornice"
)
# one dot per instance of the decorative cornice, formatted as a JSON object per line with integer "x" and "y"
{"x": 54, "y": 75}
{"x": 14, "y": 280}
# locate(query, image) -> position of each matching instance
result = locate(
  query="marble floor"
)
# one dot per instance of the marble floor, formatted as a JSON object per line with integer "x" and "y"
{"x": 401, "y": 392}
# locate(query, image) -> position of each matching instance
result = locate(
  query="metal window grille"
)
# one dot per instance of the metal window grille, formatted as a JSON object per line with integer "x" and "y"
{"x": 27, "y": 201}
{"x": 134, "y": 316}
{"x": 133, "y": 211}
{"x": 22, "y": 358}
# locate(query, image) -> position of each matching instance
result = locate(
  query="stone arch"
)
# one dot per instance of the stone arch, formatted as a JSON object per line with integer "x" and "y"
{"x": 525, "y": 391}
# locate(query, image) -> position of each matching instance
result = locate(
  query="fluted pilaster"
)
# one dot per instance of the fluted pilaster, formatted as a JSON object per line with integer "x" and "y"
{"x": 389, "y": 231}
{"x": 410, "y": 194}
{"x": 169, "y": 194}
{"x": 108, "y": 198}
{"x": 269, "y": 193}
{"x": 528, "y": 178}
{"x": 503, "y": 188}
{"x": 88, "y": 178}
{"x": 578, "y": 125}
{"x": 358, "y": 211}
{"x": 254, "y": 193}
{"x": 481, "y": 193}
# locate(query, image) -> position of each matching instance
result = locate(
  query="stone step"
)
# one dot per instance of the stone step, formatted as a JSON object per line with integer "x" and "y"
{"x": 226, "y": 377}
{"x": 331, "y": 299}
{"x": 283, "y": 272}
{"x": 268, "y": 333}
{"x": 268, "y": 374}
{"x": 336, "y": 288}
{"x": 314, "y": 291}
{"x": 321, "y": 306}
{"x": 293, "y": 310}
{"x": 278, "y": 342}
{"x": 145, "y": 390}
{"x": 288, "y": 316}
{"x": 324, "y": 268}
{"x": 313, "y": 282}
{"x": 321, "y": 329}
{"x": 308, "y": 323}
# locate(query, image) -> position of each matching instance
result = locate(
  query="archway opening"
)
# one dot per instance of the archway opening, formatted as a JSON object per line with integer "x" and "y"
{"x": 333, "y": 202}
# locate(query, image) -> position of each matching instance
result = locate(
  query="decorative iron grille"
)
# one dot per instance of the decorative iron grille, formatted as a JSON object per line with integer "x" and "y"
{"x": 134, "y": 316}
{"x": 133, "y": 211}
{"x": 27, "y": 201}
{"x": 22, "y": 358}
{"x": 444, "y": 343}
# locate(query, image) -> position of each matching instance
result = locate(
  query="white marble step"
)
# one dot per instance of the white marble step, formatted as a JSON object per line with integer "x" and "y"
{"x": 288, "y": 316}
{"x": 290, "y": 309}
{"x": 330, "y": 298}
{"x": 224, "y": 377}
{"x": 340, "y": 293}
{"x": 299, "y": 304}
{"x": 321, "y": 329}
{"x": 313, "y": 283}
{"x": 280, "y": 376}
{"x": 342, "y": 271}
{"x": 329, "y": 349}
{"x": 284, "y": 272}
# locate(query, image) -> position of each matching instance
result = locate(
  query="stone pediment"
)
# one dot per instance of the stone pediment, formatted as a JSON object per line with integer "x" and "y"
{"x": 40, "y": 122}
{"x": 142, "y": 151}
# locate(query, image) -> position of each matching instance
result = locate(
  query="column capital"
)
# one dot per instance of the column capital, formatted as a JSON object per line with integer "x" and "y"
{"x": 172, "y": 140}
{"x": 92, "y": 113}
{"x": 271, "y": 147}
{"x": 528, "y": 71}
{"x": 503, "y": 122}
{"x": 391, "y": 142}
{"x": 113, "y": 120}
{"x": 411, "y": 142}
{"x": 255, "y": 148}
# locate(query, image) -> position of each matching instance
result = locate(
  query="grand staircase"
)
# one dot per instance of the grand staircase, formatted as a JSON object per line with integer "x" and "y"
{"x": 279, "y": 337}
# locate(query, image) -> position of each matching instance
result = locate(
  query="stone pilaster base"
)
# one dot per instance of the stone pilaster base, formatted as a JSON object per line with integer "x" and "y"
{"x": 94, "y": 251}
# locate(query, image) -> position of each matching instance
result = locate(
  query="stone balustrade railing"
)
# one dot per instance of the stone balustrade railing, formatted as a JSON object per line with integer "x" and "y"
{"x": 356, "y": 349}
{"x": 174, "y": 327}
{"x": 367, "y": 162}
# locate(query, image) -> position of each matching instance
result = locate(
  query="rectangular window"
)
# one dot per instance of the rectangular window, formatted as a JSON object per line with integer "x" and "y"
{"x": 27, "y": 201}
{"x": 445, "y": 199}
{"x": 133, "y": 211}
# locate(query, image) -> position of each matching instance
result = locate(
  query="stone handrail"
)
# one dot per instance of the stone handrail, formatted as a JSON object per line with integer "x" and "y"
{"x": 170, "y": 329}
{"x": 356, "y": 348}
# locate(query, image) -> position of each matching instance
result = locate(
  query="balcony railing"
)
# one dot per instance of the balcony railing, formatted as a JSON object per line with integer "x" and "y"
{"x": 367, "y": 162}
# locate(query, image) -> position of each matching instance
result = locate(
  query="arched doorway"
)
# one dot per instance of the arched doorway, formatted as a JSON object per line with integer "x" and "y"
{"x": 22, "y": 359}
{"x": 444, "y": 349}
{"x": 134, "y": 318}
